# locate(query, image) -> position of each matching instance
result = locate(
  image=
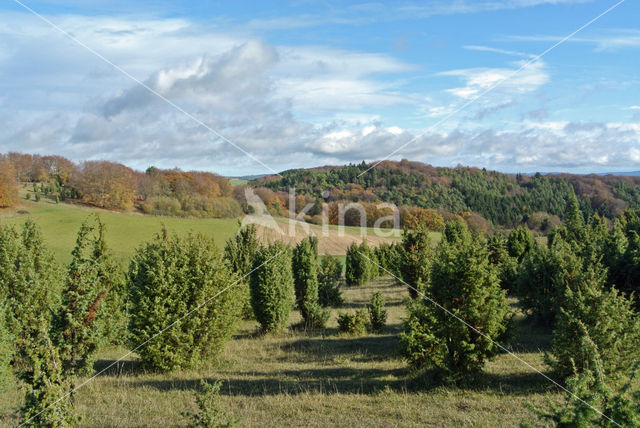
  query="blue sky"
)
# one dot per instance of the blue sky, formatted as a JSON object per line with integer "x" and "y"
{"x": 308, "y": 83}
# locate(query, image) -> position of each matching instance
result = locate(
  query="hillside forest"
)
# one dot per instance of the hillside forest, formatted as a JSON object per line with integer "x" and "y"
{"x": 485, "y": 200}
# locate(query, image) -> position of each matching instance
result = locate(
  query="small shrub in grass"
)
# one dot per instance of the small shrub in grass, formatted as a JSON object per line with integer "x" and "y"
{"x": 377, "y": 313}
{"x": 329, "y": 278}
{"x": 271, "y": 285}
{"x": 355, "y": 323}
{"x": 169, "y": 278}
{"x": 37, "y": 197}
{"x": 317, "y": 316}
{"x": 209, "y": 414}
{"x": 28, "y": 197}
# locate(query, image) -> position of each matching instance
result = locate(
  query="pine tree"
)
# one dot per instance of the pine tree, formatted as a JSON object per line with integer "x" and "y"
{"x": 465, "y": 284}
{"x": 592, "y": 401}
{"x": 239, "y": 253}
{"x": 507, "y": 265}
{"x": 543, "y": 276}
{"x": 30, "y": 282}
{"x": 614, "y": 249}
{"x": 356, "y": 266}
{"x": 182, "y": 288}
{"x": 520, "y": 242}
{"x": 47, "y": 390}
{"x": 613, "y": 326}
{"x": 377, "y": 312}
{"x": 91, "y": 276}
{"x": 304, "y": 266}
{"x": 329, "y": 278}
{"x": 415, "y": 259}
{"x": 6, "y": 350}
{"x": 271, "y": 284}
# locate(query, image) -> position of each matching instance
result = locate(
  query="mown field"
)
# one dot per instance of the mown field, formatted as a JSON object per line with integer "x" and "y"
{"x": 299, "y": 378}
{"x": 126, "y": 231}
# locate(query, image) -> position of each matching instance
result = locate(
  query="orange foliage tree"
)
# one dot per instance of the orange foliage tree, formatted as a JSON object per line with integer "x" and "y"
{"x": 106, "y": 184}
{"x": 8, "y": 184}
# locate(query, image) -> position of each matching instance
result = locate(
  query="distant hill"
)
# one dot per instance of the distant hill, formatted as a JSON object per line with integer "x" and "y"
{"x": 630, "y": 173}
{"x": 249, "y": 177}
{"x": 504, "y": 199}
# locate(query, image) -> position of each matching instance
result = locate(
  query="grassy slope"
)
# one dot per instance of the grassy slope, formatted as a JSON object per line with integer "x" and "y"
{"x": 302, "y": 379}
{"x": 126, "y": 231}
{"x": 60, "y": 223}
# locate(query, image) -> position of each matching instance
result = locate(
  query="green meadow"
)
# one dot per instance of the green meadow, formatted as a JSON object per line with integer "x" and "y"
{"x": 59, "y": 224}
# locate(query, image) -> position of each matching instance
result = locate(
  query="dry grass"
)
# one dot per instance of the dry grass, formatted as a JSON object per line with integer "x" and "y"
{"x": 311, "y": 379}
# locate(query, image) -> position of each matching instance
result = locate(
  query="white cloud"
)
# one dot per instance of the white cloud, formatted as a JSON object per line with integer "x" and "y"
{"x": 496, "y": 50}
{"x": 521, "y": 79}
{"x": 610, "y": 40}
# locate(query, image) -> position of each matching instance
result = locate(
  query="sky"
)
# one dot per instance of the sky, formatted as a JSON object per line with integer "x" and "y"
{"x": 242, "y": 88}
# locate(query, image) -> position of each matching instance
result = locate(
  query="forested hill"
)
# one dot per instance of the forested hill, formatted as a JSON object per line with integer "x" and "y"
{"x": 504, "y": 199}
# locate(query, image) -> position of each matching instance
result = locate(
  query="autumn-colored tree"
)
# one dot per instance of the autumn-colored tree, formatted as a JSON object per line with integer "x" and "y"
{"x": 8, "y": 184}
{"x": 106, "y": 184}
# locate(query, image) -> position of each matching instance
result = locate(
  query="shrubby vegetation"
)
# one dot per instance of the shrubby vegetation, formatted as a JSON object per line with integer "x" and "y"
{"x": 353, "y": 323}
{"x": 360, "y": 265}
{"x": 209, "y": 414}
{"x": 465, "y": 283}
{"x": 305, "y": 279}
{"x": 239, "y": 253}
{"x": 592, "y": 399}
{"x": 581, "y": 287}
{"x": 6, "y": 350}
{"x": 48, "y": 390}
{"x": 415, "y": 258}
{"x": 271, "y": 284}
{"x": 30, "y": 282}
{"x": 91, "y": 276}
{"x": 377, "y": 312}
{"x": 170, "y": 278}
{"x": 614, "y": 329}
{"x": 329, "y": 280}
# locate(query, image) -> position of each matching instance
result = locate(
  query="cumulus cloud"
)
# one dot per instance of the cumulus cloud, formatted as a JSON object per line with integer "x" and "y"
{"x": 289, "y": 106}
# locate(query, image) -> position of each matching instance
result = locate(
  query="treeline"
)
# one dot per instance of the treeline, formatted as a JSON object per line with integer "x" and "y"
{"x": 114, "y": 186}
{"x": 503, "y": 199}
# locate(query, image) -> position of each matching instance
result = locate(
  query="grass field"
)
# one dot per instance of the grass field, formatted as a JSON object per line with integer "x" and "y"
{"x": 312, "y": 379}
{"x": 126, "y": 231}
{"x": 238, "y": 181}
